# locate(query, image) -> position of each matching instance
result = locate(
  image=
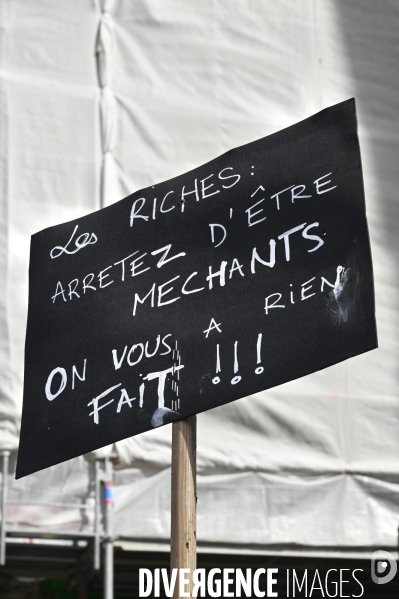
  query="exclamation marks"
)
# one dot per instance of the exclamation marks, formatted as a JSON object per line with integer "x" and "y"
{"x": 216, "y": 380}
{"x": 259, "y": 369}
{"x": 175, "y": 383}
{"x": 235, "y": 379}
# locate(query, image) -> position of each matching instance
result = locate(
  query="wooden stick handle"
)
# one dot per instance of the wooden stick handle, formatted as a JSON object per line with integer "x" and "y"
{"x": 183, "y": 550}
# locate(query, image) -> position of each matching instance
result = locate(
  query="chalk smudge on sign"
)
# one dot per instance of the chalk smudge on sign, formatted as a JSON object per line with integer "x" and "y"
{"x": 342, "y": 296}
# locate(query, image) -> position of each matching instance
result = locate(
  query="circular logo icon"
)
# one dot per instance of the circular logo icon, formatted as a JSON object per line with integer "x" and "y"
{"x": 383, "y": 567}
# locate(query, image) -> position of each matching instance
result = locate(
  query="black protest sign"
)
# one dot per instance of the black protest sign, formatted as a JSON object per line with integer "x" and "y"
{"x": 247, "y": 272}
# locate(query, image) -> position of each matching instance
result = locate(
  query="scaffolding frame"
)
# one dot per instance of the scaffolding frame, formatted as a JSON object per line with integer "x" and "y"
{"x": 103, "y": 522}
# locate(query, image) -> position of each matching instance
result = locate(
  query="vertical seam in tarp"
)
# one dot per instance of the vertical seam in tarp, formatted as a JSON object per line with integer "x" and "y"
{"x": 8, "y": 417}
{"x": 105, "y": 57}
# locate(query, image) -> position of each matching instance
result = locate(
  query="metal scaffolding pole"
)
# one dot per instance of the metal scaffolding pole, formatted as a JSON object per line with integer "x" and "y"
{"x": 97, "y": 514}
{"x": 108, "y": 540}
{"x": 5, "y": 455}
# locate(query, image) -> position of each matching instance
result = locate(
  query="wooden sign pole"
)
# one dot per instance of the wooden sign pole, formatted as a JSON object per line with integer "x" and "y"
{"x": 183, "y": 550}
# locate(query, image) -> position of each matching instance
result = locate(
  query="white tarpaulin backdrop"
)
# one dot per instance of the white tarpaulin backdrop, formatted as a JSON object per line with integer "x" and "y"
{"x": 99, "y": 99}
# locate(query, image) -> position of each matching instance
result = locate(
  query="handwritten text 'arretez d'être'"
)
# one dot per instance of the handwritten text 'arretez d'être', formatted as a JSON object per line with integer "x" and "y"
{"x": 175, "y": 288}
